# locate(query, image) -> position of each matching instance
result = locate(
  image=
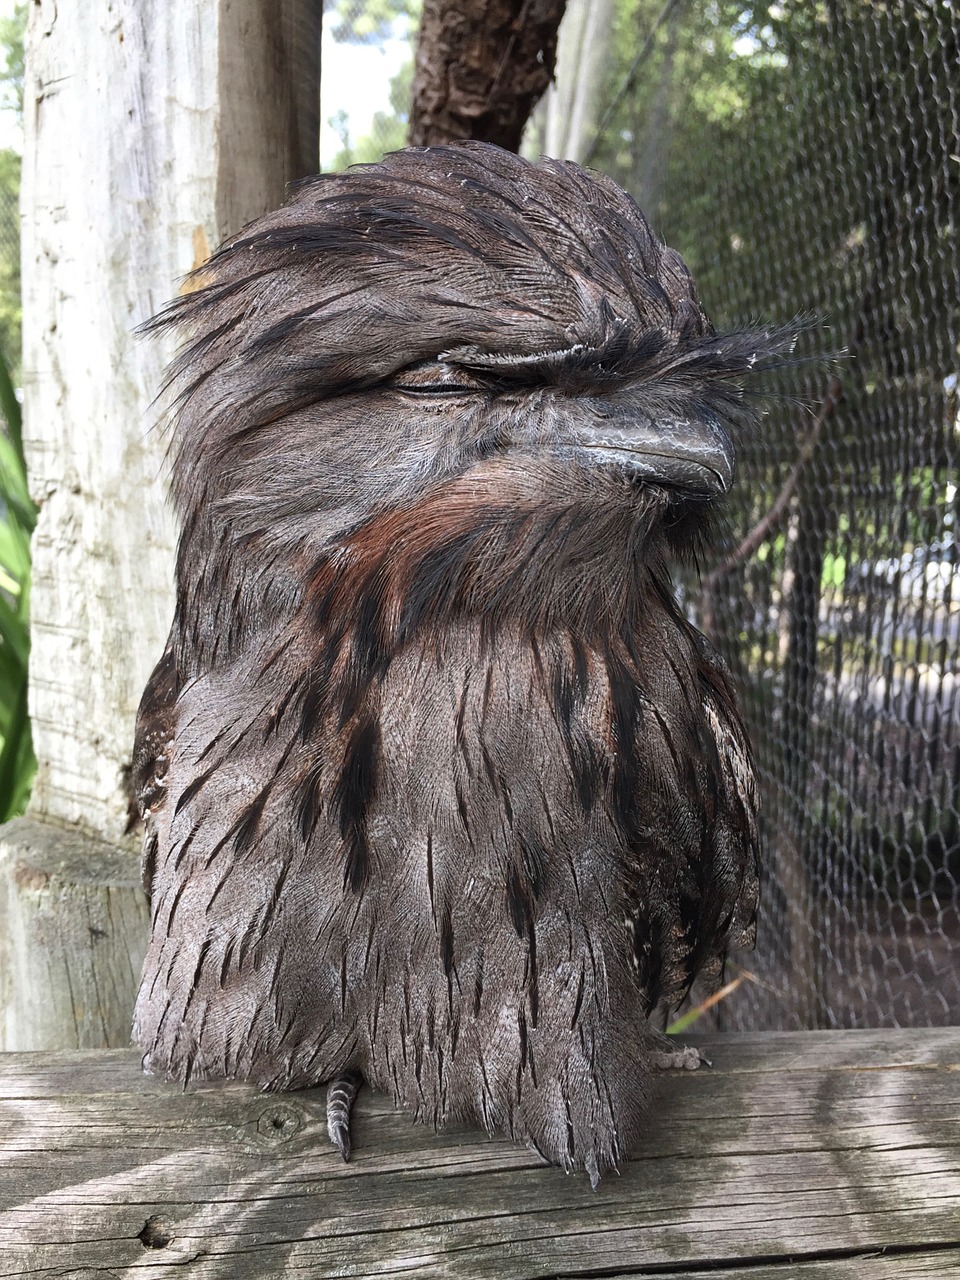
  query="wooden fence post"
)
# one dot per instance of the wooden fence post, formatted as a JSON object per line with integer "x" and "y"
{"x": 151, "y": 131}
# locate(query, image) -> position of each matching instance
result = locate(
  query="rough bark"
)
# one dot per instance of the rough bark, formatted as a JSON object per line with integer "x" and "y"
{"x": 481, "y": 68}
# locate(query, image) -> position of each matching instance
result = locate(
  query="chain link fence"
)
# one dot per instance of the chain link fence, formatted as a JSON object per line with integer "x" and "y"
{"x": 805, "y": 159}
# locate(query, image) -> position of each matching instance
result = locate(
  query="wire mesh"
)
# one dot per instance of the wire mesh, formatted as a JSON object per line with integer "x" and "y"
{"x": 809, "y": 162}
{"x": 805, "y": 159}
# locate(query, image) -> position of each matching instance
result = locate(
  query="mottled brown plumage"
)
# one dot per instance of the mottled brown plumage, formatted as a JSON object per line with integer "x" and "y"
{"x": 439, "y": 784}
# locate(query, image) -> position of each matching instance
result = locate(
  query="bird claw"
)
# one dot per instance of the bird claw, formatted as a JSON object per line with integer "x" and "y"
{"x": 341, "y": 1093}
{"x": 682, "y": 1058}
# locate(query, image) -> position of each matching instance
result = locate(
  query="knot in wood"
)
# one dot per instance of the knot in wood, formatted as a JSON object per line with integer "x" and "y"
{"x": 279, "y": 1123}
{"x": 156, "y": 1234}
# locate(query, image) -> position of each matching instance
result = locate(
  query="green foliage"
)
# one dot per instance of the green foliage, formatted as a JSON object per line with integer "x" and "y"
{"x": 12, "y": 32}
{"x": 17, "y": 512}
{"x": 10, "y": 311}
{"x": 17, "y": 518}
{"x": 373, "y": 22}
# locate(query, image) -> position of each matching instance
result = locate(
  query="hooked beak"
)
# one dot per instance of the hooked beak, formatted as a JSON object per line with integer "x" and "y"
{"x": 689, "y": 452}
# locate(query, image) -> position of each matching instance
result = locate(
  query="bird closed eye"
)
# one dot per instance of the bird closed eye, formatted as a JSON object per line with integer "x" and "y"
{"x": 436, "y": 378}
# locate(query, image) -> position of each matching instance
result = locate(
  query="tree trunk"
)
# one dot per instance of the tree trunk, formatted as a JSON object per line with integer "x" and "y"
{"x": 152, "y": 131}
{"x": 481, "y": 68}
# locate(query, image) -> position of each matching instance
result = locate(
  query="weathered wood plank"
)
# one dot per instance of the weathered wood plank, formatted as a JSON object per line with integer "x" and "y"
{"x": 74, "y": 924}
{"x": 818, "y": 1149}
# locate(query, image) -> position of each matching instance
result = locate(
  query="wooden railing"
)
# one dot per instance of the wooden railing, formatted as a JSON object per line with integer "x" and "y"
{"x": 812, "y": 1155}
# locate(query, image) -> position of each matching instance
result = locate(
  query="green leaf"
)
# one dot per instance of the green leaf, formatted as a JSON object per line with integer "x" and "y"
{"x": 13, "y": 633}
{"x": 16, "y": 758}
{"x": 10, "y": 406}
{"x": 14, "y": 552}
{"x": 17, "y": 519}
{"x": 11, "y": 674}
{"x": 13, "y": 484}
{"x": 685, "y": 1021}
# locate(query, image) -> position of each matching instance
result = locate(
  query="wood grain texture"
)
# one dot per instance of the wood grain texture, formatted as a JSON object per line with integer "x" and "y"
{"x": 937, "y": 1264}
{"x": 73, "y": 930}
{"x": 818, "y": 1155}
{"x": 151, "y": 131}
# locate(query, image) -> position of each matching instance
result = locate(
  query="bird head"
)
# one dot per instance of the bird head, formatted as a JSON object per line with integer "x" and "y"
{"x": 444, "y": 341}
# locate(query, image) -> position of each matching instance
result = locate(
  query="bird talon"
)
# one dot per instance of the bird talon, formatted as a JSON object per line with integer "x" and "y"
{"x": 340, "y": 1137}
{"x": 341, "y": 1094}
{"x": 682, "y": 1058}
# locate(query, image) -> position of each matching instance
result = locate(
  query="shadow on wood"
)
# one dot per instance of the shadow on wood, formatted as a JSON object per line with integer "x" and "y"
{"x": 811, "y": 1155}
